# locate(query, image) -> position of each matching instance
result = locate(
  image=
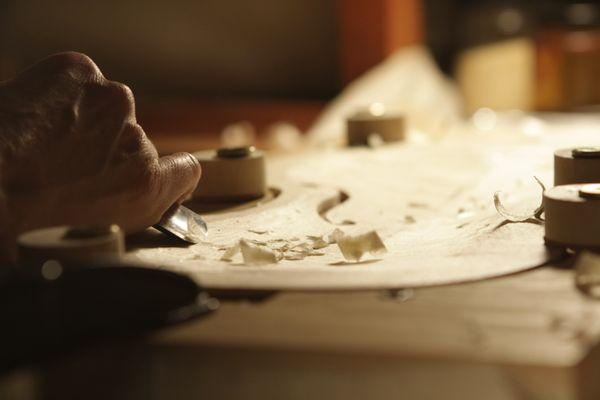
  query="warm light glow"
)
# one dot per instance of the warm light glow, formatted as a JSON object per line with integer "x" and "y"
{"x": 510, "y": 21}
{"x": 377, "y": 109}
{"x": 532, "y": 126}
{"x": 484, "y": 119}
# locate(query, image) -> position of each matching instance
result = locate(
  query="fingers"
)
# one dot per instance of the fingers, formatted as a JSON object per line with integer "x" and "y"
{"x": 148, "y": 188}
{"x": 97, "y": 159}
{"x": 104, "y": 104}
{"x": 106, "y": 118}
{"x": 179, "y": 175}
{"x": 133, "y": 141}
{"x": 70, "y": 70}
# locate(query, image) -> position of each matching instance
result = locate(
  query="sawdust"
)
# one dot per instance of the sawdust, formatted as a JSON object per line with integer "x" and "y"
{"x": 271, "y": 251}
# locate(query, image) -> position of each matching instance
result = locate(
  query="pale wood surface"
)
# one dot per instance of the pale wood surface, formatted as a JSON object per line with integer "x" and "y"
{"x": 432, "y": 205}
{"x": 528, "y": 335}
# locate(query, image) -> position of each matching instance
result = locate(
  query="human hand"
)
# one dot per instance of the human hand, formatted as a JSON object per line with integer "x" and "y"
{"x": 72, "y": 153}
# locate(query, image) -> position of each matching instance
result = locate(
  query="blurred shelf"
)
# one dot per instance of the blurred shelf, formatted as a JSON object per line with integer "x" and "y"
{"x": 196, "y": 124}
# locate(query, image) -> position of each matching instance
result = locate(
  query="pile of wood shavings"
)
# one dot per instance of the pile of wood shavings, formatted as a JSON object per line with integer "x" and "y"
{"x": 257, "y": 252}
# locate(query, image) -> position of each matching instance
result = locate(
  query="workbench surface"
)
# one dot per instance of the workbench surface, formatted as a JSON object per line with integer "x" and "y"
{"x": 525, "y": 332}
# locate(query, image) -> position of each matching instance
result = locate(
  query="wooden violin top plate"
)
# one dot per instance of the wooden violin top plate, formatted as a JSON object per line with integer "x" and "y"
{"x": 431, "y": 204}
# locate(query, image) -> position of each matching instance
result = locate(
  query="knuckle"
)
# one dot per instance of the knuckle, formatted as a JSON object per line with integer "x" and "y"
{"x": 121, "y": 91}
{"x": 113, "y": 97}
{"x": 120, "y": 96}
{"x": 77, "y": 65}
{"x": 135, "y": 141}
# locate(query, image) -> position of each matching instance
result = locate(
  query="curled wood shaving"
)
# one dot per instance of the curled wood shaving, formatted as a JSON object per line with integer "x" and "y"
{"x": 535, "y": 215}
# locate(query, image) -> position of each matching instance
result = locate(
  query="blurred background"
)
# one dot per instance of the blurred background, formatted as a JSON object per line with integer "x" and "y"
{"x": 196, "y": 66}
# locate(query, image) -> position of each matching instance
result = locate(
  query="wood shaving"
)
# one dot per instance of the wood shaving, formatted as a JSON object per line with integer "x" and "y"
{"x": 318, "y": 242}
{"x": 257, "y": 231}
{"x": 294, "y": 257}
{"x": 257, "y": 255}
{"x": 335, "y": 235}
{"x": 535, "y": 215}
{"x": 256, "y": 252}
{"x": 230, "y": 252}
{"x": 418, "y": 204}
{"x": 252, "y": 254}
{"x": 353, "y": 248}
{"x": 257, "y": 242}
{"x": 314, "y": 237}
{"x": 282, "y": 247}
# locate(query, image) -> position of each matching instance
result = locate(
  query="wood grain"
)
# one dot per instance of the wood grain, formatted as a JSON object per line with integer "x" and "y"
{"x": 438, "y": 227}
{"x": 525, "y": 336}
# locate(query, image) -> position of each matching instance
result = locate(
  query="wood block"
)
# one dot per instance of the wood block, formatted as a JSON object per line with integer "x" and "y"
{"x": 572, "y": 218}
{"x": 364, "y": 126}
{"x": 577, "y": 165}
{"x": 231, "y": 178}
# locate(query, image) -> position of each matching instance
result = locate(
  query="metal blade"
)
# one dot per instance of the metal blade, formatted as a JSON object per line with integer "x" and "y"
{"x": 184, "y": 224}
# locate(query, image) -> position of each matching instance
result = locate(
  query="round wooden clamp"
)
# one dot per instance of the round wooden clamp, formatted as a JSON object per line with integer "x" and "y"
{"x": 231, "y": 174}
{"x": 366, "y": 125}
{"x": 572, "y": 214}
{"x": 69, "y": 245}
{"x": 577, "y": 165}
